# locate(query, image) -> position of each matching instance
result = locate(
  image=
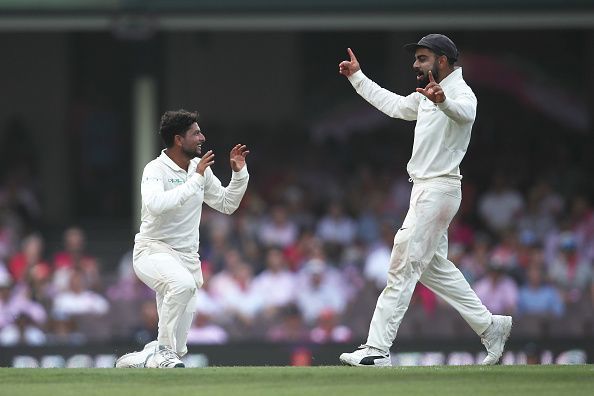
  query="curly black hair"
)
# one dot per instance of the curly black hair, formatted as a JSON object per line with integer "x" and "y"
{"x": 176, "y": 123}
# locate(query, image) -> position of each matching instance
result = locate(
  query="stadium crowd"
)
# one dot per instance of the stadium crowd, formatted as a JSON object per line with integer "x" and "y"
{"x": 304, "y": 259}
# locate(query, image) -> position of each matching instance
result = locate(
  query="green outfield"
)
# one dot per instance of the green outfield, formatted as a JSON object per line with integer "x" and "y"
{"x": 326, "y": 381}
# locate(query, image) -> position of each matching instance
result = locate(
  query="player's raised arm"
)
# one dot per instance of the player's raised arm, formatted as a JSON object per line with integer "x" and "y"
{"x": 347, "y": 68}
{"x": 227, "y": 199}
{"x": 237, "y": 157}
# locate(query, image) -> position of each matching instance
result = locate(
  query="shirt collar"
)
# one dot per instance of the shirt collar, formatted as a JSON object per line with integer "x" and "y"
{"x": 452, "y": 78}
{"x": 168, "y": 161}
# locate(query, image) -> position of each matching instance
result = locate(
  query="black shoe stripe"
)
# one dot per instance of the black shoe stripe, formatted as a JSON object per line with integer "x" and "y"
{"x": 370, "y": 360}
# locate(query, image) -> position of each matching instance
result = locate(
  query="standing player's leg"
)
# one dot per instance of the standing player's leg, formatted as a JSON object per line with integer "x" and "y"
{"x": 175, "y": 288}
{"x": 414, "y": 246}
{"x": 445, "y": 279}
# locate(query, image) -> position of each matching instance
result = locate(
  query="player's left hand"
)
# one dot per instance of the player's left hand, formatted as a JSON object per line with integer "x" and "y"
{"x": 432, "y": 91}
{"x": 237, "y": 157}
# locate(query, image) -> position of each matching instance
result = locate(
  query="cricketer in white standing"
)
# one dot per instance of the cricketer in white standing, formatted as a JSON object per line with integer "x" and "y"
{"x": 174, "y": 186}
{"x": 444, "y": 108}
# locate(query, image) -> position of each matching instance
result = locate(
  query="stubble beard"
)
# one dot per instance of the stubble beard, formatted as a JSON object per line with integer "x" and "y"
{"x": 191, "y": 154}
{"x": 422, "y": 83}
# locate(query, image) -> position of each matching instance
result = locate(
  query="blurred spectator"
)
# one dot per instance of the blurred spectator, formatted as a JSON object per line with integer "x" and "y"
{"x": 377, "y": 262}
{"x": 275, "y": 286}
{"x": 29, "y": 261}
{"x": 399, "y": 199}
{"x": 336, "y": 227}
{"x": 148, "y": 326}
{"x": 569, "y": 271}
{"x": 206, "y": 304}
{"x": 63, "y": 330}
{"x": 15, "y": 299}
{"x": 582, "y": 220}
{"x": 5, "y": 297}
{"x": 128, "y": 286}
{"x": 370, "y": 215}
{"x": 350, "y": 265}
{"x": 23, "y": 331}
{"x": 319, "y": 290}
{"x": 204, "y": 331}
{"x": 301, "y": 250}
{"x": 78, "y": 299}
{"x": 290, "y": 327}
{"x": 500, "y": 205}
{"x": 296, "y": 203}
{"x": 424, "y": 297}
{"x": 497, "y": 291}
{"x": 528, "y": 247}
{"x": 328, "y": 330}
{"x": 538, "y": 298}
{"x": 22, "y": 301}
{"x": 474, "y": 263}
{"x": 232, "y": 289}
{"x": 541, "y": 208}
{"x": 74, "y": 257}
{"x": 460, "y": 231}
{"x": 216, "y": 248}
{"x": 278, "y": 230}
{"x": 507, "y": 255}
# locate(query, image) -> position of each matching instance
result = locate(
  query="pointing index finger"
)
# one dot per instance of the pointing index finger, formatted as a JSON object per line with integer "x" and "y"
{"x": 431, "y": 79}
{"x": 352, "y": 55}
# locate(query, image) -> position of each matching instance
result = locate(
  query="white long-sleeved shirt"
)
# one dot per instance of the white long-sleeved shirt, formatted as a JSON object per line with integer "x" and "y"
{"x": 443, "y": 130}
{"x": 172, "y": 201}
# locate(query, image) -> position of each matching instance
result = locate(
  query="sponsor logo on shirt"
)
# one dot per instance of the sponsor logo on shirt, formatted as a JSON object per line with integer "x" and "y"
{"x": 175, "y": 181}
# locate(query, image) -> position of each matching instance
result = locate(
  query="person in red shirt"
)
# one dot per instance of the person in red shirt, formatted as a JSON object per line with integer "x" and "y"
{"x": 29, "y": 261}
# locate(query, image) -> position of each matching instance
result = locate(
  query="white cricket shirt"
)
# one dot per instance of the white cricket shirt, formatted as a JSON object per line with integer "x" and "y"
{"x": 172, "y": 201}
{"x": 443, "y": 130}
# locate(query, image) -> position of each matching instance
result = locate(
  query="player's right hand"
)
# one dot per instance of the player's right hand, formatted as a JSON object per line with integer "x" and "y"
{"x": 205, "y": 162}
{"x": 347, "y": 68}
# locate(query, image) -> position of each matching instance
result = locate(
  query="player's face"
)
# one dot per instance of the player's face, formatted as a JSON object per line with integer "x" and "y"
{"x": 192, "y": 141}
{"x": 425, "y": 60}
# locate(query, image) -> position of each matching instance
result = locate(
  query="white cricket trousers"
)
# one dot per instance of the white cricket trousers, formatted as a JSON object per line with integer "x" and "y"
{"x": 420, "y": 254}
{"x": 175, "y": 277}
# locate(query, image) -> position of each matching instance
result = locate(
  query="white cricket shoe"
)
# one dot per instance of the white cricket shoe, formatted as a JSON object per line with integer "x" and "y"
{"x": 494, "y": 338}
{"x": 136, "y": 359}
{"x": 164, "y": 357}
{"x": 366, "y": 356}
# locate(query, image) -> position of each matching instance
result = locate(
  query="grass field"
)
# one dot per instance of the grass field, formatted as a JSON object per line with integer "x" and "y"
{"x": 326, "y": 381}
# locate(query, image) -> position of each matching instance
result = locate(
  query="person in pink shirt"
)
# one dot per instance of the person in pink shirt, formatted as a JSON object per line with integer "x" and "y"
{"x": 497, "y": 290}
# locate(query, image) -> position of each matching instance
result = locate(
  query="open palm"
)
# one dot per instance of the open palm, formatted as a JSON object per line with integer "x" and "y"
{"x": 237, "y": 157}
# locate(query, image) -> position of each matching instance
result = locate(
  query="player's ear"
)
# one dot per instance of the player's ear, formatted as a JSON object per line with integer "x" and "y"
{"x": 177, "y": 140}
{"x": 443, "y": 60}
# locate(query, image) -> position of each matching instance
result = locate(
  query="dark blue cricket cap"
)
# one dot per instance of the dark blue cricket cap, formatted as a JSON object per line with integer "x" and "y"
{"x": 437, "y": 43}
